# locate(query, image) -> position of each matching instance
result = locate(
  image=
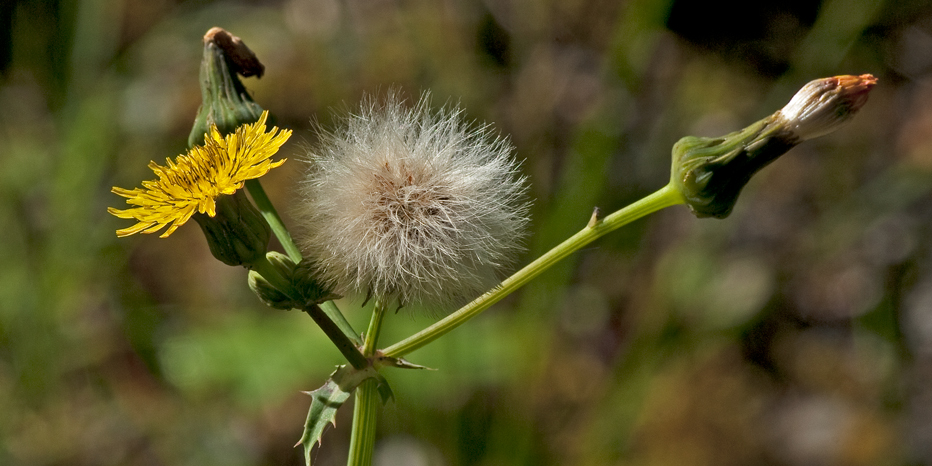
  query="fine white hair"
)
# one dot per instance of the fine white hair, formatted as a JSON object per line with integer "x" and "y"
{"x": 412, "y": 205}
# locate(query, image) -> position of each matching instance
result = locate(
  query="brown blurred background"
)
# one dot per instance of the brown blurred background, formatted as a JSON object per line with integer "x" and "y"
{"x": 796, "y": 332}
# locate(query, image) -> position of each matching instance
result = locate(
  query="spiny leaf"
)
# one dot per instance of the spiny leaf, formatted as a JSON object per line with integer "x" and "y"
{"x": 326, "y": 400}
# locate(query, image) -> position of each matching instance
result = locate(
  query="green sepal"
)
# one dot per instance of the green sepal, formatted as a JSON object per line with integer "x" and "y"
{"x": 305, "y": 282}
{"x": 326, "y": 400}
{"x": 710, "y": 172}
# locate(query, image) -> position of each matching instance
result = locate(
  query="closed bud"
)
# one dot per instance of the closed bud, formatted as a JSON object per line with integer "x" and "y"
{"x": 823, "y": 105}
{"x": 281, "y": 262}
{"x": 225, "y": 102}
{"x": 287, "y": 285}
{"x": 710, "y": 172}
{"x": 272, "y": 295}
{"x": 268, "y": 293}
{"x": 237, "y": 234}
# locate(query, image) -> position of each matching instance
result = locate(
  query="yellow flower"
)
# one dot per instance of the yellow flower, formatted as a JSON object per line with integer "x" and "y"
{"x": 193, "y": 182}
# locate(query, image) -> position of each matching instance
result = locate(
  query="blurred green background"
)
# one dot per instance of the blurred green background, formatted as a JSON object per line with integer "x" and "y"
{"x": 798, "y": 331}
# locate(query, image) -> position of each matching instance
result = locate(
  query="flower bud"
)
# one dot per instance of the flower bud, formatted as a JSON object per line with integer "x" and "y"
{"x": 823, "y": 105}
{"x": 268, "y": 293}
{"x": 303, "y": 287}
{"x": 225, "y": 102}
{"x": 710, "y": 172}
{"x": 265, "y": 290}
{"x": 237, "y": 234}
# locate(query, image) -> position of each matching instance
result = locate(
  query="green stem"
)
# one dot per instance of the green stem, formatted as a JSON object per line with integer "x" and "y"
{"x": 365, "y": 415}
{"x": 375, "y": 328}
{"x": 346, "y": 346}
{"x": 333, "y": 312}
{"x": 264, "y": 204}
{"x": 366, "y": 411}
{"x": 275, "y": 221}
{"x": 664, "y": 197}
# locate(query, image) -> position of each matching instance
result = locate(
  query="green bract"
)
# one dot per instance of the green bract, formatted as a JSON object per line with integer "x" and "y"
{"x": 237, "y": 235}
{"x": 710, "y": 172}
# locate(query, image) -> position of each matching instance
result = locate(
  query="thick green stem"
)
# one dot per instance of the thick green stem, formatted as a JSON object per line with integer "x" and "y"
{"x": 664, "y": 197}
{"x": 366, "y": 411}
{"x": 365, "y": 415}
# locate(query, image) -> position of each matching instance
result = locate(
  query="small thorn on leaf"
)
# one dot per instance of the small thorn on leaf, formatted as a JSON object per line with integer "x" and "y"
{"x": 596, "y": 218}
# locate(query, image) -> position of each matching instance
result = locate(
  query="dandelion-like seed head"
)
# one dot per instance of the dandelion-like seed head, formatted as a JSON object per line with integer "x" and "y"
{"x": 412, "y": 205}
{"x": 193, "y": 182}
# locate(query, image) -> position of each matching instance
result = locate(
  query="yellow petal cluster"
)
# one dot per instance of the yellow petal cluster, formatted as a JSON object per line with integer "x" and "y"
{"x": 193, "y": 181}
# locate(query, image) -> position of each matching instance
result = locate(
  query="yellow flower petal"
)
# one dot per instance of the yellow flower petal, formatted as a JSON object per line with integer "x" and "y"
{"x": 192, "y": 182}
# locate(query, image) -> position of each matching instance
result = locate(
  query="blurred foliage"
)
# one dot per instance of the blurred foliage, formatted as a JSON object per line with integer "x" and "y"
{"x": 796, "y": 332}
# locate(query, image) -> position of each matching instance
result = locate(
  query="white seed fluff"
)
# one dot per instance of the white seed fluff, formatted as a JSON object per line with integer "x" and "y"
{"x": 411, "y": 205}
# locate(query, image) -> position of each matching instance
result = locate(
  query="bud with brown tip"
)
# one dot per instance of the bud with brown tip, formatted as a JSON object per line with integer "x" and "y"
{"x": 710, "y": 172}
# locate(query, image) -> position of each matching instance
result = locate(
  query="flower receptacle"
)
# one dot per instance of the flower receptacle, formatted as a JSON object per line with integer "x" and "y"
{"x": 710, "y": 172}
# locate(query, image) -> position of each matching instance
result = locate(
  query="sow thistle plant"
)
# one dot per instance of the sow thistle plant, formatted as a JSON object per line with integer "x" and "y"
{"x": 409, "y": 206}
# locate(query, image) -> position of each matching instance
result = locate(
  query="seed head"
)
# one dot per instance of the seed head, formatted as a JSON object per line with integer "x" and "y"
{"x": 412, "y": 205}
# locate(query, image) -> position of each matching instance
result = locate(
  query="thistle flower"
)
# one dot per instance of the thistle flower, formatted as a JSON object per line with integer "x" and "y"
{"x": 410, "y": 205}
{"x": 193, "y": 182}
